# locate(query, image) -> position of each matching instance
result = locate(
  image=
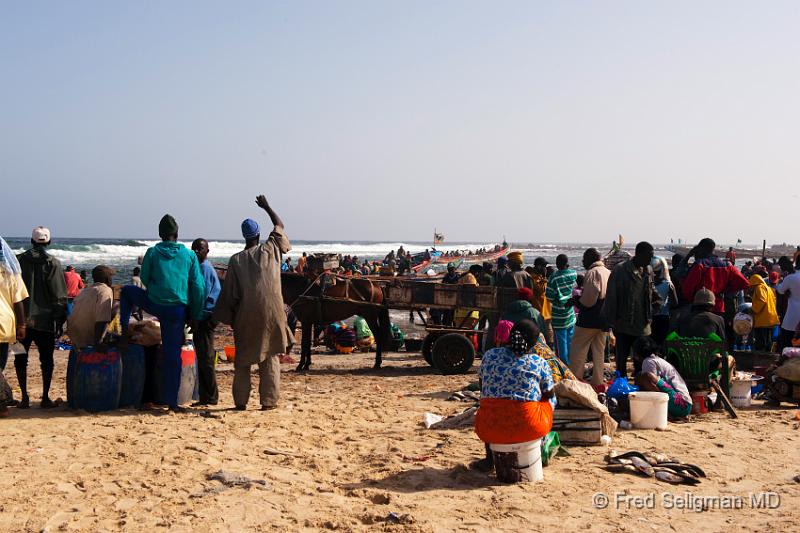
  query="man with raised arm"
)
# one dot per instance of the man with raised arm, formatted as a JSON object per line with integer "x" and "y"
{"x": 252, "y": 303}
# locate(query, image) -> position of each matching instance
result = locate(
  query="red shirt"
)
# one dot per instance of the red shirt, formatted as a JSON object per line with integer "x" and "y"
{"x": 74, "y": 284}
{"x": 716, "y": 275}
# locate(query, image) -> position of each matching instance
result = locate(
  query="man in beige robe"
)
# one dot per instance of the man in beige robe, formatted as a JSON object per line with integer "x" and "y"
{"x": 251, "y": 302}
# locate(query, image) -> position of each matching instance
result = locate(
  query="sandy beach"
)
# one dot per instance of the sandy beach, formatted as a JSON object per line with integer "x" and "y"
{"x": 347, "y": 449}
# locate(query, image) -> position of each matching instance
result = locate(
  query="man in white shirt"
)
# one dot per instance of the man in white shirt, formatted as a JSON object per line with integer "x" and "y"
{"x": 791, "y": 320}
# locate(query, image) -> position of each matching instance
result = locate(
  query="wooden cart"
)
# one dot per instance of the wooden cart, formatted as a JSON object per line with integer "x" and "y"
{"x": 449, "y": 349}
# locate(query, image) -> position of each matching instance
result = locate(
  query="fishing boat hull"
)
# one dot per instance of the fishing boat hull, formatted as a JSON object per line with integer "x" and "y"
{"x": 420, "y": 267}
{"x": 476, "y": 258}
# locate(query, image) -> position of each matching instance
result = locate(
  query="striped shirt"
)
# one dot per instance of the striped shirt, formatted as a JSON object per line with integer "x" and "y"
{"x": 559, "y": 291}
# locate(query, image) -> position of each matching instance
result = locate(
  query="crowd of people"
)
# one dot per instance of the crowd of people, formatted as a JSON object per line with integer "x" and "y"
{"x": 629, "y": 311}
{"x": 351, "y": 265}
{"x": 477, "y": 252}
{"x": 698, "y": 295}
{"x": 556, "y": 322}
{"x": 177, "y": 286}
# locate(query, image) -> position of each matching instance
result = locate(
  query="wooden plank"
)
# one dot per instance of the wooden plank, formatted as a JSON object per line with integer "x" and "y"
{"x": 726, "y": 403}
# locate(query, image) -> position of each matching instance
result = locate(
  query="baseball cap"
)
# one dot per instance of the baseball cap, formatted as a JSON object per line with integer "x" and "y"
{"x": 40, "y": 235}
{"x": 704, "y": 297}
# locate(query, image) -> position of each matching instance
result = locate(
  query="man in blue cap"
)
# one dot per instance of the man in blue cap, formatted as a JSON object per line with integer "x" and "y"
{"x": 251, "y": 302}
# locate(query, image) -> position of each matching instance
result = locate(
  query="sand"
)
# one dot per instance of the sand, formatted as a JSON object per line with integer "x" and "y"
{"x": 356, "y": 452}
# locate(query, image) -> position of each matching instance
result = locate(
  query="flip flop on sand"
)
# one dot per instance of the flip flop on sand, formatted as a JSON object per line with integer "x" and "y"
{"x": 150, "y": 406}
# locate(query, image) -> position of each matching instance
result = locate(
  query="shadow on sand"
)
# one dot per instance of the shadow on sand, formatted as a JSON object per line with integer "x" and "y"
{"x": 394, "y": 365}
{"x": 65, "y": 412}
{"x": 429, "y": 478}
{"x": 384, "y": 371}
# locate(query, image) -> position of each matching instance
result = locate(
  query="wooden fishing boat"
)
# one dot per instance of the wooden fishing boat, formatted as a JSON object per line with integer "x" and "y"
{"x": 420, "y": 264}
{"x": 477, "y": 258}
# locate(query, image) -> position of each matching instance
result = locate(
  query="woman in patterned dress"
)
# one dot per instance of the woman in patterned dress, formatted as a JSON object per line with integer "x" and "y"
{"x": 517, "y": 399}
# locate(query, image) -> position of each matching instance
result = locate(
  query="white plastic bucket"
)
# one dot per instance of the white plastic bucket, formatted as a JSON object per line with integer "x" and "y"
{"x": 518, "y": 462}
{"x": 649, "y": 409}
{"x": 741, "y": 393}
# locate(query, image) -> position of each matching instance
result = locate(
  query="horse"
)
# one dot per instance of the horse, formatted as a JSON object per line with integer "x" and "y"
{"x": 313, "y": 305}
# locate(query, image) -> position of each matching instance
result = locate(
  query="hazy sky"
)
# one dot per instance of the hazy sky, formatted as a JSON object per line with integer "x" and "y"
{"x": 543, "y": 121}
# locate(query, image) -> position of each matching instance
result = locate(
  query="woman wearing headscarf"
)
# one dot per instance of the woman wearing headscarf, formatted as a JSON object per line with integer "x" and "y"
{"x": 659, "y": 329}
{"x": 517, "y": 399}
{"x": 12, "y": 314}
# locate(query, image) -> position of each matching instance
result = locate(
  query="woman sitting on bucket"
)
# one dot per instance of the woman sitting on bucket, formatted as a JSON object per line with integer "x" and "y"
{"x": 517, "y": 399}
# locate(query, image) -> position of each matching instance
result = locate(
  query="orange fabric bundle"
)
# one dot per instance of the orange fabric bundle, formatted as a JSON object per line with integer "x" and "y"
{"x": 504, "y": 421}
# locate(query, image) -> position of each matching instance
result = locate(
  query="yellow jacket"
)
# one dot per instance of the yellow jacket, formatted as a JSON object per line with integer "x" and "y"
{"x": 765, "y": 309}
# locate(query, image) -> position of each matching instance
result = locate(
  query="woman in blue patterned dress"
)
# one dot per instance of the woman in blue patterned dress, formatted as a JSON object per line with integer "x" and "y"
{"x": 517, "y": 399}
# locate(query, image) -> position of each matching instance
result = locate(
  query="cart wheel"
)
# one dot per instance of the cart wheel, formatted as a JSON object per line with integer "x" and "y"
{"x": 427, "y": 347}
{"x": 453, "y": 353}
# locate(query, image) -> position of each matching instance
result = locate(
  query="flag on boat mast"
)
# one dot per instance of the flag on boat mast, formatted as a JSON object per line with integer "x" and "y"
{"x": 438, "y": 238}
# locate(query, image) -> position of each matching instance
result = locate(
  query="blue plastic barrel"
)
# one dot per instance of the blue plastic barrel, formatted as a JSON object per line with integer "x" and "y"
{"x": 71, "y": 362}
{"x": 97, "y": 383}
{"x": 133, "y": 372}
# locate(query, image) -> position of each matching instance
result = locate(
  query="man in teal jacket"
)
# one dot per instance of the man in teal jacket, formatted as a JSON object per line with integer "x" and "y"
{"x": 175, "y": 293}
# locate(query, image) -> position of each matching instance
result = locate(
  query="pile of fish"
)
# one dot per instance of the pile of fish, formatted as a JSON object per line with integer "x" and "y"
{"x": 465, "y": 396}
{"x": 661, "y": 467}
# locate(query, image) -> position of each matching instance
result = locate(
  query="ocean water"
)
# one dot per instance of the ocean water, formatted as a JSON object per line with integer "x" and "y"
{"x": 122, "y": 254}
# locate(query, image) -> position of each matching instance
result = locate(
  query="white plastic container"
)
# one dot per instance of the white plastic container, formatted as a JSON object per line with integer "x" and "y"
{"x": 527, "y": 468}
{"x": 741, "y": 393}
{"x": 649, "y": 409}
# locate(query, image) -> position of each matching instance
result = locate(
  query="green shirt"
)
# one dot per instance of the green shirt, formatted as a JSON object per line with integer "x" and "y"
{"x": 362, "y": 328}
{"x": 559, "y": 292}
{"x": 172, "y": 275}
